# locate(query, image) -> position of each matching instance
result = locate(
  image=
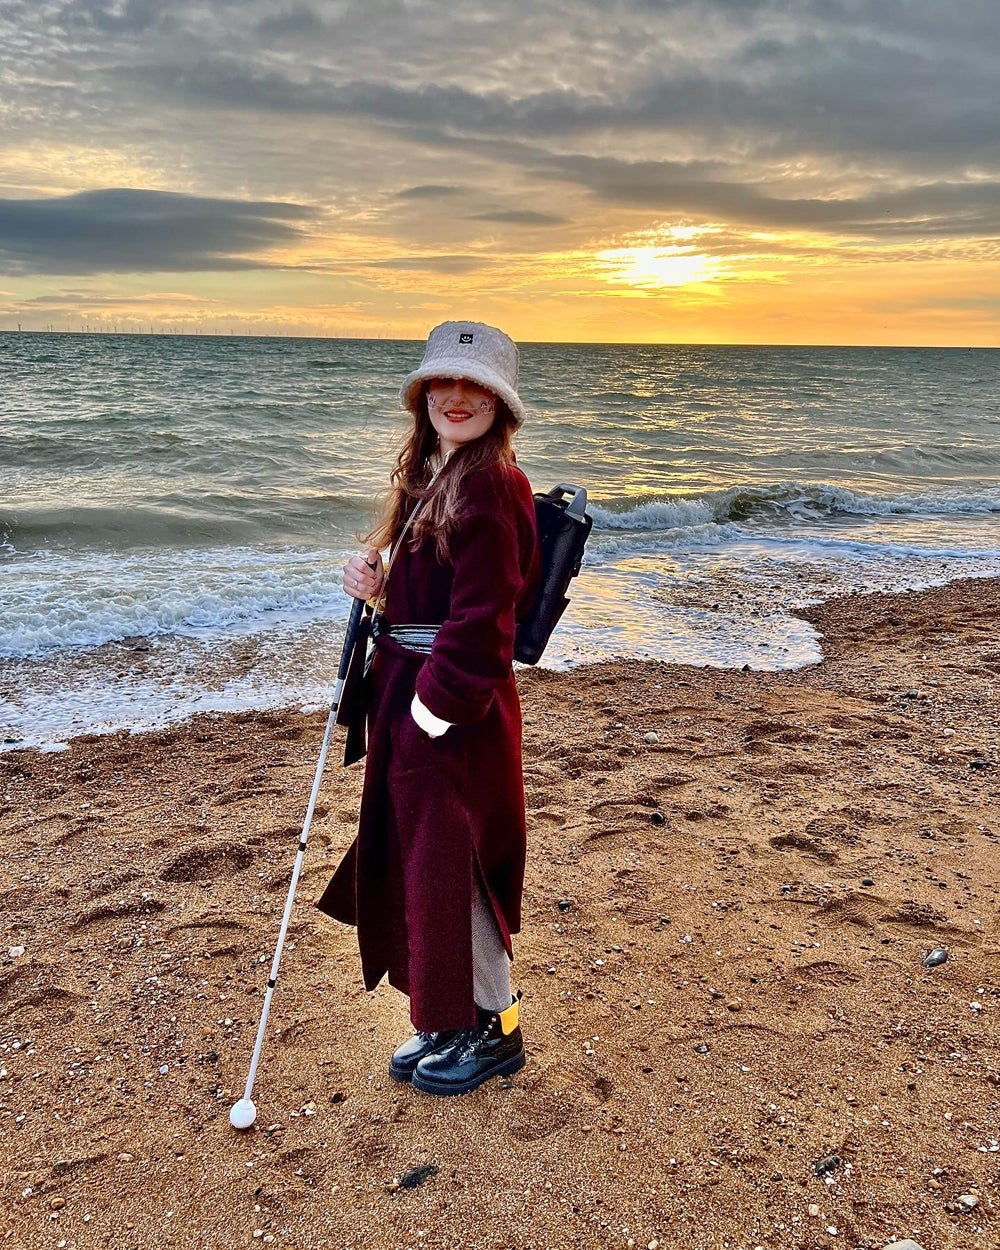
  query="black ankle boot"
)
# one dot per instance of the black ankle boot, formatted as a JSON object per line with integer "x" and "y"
{"x": 494, "y": 1048}
{"x": 406, "y": 1057}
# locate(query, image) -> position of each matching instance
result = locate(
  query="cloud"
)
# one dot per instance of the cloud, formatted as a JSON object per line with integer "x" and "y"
{"x": 429, "y": 191}
{"x": 520, "y": 217}
{"x": 291, "y": 23}
{"x": 435, "y": 264}
{"x": 130, "y": 17}
{"x": 95, "y": 300}
{"x": 669, "y": 189}
{"x": 783, "y": 117}
{"x": 129, "y": 231}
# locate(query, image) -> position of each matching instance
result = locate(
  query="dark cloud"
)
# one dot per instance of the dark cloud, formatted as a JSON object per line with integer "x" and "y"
{"x": 435, "y": 264}
{"x": 520, "y": 217}
{"x": 429, "y": 191}
{"x": 292, "y": 23}
{"x": 127, "y": 231}
{"x": 669, "y": 189}
{"x": 133, "y": 17}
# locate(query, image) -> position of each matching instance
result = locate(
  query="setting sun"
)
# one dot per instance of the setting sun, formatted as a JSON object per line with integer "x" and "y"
{"x": 654, "y": 267}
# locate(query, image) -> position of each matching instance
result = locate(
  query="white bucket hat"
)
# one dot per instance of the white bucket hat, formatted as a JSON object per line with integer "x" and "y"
{"x": 471, "y": 350}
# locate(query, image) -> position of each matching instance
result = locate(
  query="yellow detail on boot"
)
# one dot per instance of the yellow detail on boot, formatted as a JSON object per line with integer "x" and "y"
{"x": 510, "y": 1018}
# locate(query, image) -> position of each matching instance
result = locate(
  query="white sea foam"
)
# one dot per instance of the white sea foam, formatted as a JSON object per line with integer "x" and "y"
{"x": 797, "y": 500}
{"x": 55, "y": 602}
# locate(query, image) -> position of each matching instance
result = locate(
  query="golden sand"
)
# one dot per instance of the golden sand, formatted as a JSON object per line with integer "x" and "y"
{"x": 733, "y": 880}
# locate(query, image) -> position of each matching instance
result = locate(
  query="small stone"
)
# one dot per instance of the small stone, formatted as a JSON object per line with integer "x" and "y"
{"x": 906, "y": 1244}
{"x": 125, "y": 1157}
{"x": 979, "y": 762}
{"x": 868, "y": 881}
{"x": 657, "y": 818}
{"x": 702, "y": 1048}
{"x": 651, "y": 737}
{"x": 935, "y": 957}
{"x": 57, "y": 1204}
{"x": 813, "y": 1210}
{"x": 164, "y": 1069}
{"x": 15, "y": 952}
{"x": 829, "y": 1163}
{"x": 968, "y": 1202}
{"x": 417, "y": 1176}
{"x": 564, "y": 904}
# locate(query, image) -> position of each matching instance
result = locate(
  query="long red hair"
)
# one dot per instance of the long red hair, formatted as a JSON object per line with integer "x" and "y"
{"x": 411, "y": 476}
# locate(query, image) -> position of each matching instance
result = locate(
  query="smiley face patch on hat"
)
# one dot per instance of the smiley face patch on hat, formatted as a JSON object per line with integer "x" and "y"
{"x": 465, "y": 338}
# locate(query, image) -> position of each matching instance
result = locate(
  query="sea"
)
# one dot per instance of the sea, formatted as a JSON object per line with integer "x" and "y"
{"x": 175, "y": 510}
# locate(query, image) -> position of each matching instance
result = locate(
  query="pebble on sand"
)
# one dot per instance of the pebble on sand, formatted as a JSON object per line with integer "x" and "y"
{"x": 651, "y": 737}
{"x": 908, "y": 1244}
{"x": 935, "y": 957}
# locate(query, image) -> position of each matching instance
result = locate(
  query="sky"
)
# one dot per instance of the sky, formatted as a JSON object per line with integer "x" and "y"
{"x": 710, "y": 171}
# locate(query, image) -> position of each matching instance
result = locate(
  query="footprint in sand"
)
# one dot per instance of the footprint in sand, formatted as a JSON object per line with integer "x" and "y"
{"x": 857, "y": 909}
{"x": 134, "y": 906}
{"x": 105, "y": 885}
{"x": 47, "y": 1002}
{"x": 548, "y": 816}
{"x": 826, "y": 972}
{"x": 208, "y": 859}
{"x": 811, "y": 847}
{"x": 560, "y": 1092}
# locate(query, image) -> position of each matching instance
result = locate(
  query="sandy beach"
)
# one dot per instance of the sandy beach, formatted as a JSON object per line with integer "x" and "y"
{"x": 733, "y": 880}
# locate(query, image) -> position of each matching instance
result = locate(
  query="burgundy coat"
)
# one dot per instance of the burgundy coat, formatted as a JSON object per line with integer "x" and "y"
{"x": 438, "y": 812}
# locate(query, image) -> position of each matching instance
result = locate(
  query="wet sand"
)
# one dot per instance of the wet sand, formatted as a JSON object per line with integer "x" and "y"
{"x": 732, "y": 1039}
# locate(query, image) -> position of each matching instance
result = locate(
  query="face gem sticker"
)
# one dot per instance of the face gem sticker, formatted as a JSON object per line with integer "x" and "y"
{"x": 465, "y": 338}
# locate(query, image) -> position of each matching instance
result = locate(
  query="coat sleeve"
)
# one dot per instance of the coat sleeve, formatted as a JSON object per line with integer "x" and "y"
{"x": 495, "y": 559}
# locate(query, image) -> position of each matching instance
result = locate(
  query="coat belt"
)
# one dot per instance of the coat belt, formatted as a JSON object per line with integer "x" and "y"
{"x": 419, "y": 639}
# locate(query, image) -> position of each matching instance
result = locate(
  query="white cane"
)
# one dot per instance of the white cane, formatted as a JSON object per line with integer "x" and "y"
{"x": 243, "y": 1113}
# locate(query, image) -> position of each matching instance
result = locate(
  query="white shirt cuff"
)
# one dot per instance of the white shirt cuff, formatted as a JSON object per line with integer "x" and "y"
{"x": 432, "y": 725}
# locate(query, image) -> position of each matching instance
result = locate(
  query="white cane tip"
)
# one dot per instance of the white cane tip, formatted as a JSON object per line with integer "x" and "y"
{"x": 243, "y": 1113}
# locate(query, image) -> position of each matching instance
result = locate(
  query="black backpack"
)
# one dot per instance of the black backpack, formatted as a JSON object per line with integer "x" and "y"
{"x": 563, "y": 529}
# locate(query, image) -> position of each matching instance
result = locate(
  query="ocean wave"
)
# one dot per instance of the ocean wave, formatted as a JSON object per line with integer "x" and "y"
{"x": 180, "y": 522}
{"x": 796, "y": 501}
{"x": 608, "y": 546}
{"x": 68, "y": 604}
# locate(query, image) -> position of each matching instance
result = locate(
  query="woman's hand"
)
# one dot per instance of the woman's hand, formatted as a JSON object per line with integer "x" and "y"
{"x": 364, "y": 575}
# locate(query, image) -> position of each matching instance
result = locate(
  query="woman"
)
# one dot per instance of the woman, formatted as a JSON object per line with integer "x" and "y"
{"x": 433, "y": 880}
